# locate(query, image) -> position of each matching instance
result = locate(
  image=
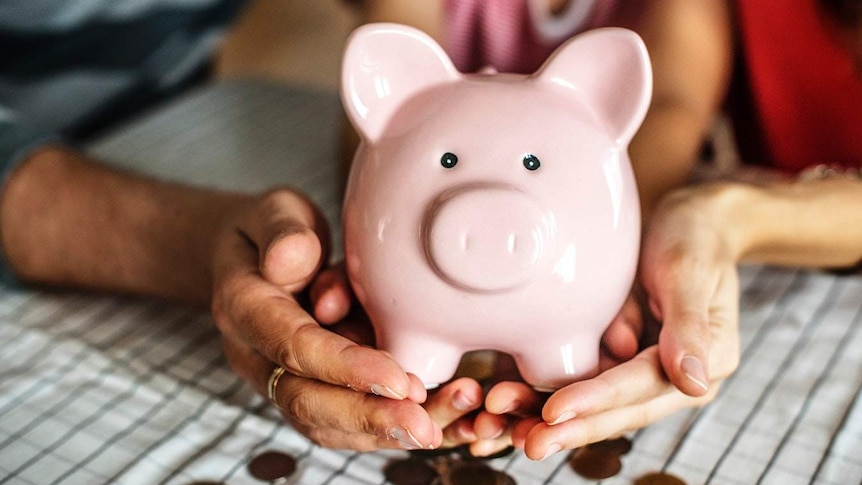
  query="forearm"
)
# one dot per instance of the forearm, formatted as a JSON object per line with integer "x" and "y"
{"x": 816, "y": 223}
{"x": 68, "y": 221}
{"x": 425, "y": 15}
{"x": 813, "y": 224}
{"x": 690, "y": 47}
{"x": 664, "y": 151}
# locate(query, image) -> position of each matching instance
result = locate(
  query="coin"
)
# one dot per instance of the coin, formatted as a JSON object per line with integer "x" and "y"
{"x": 476, "y": 473}
{"x": 595, "y": 463}
{"x": 436, "y": 452}
{"x": 600, "y": 460}
{"x": 272, "y": 465}
{"x": 659, "y": 478}
{"x": 410, "y": 471}
{"x": 620, "y": 446}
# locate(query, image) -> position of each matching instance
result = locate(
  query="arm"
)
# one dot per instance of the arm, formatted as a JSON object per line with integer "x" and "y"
{"x": 425, "y": 15}
{"x": 68, "y": 221}
{"x": 692, "y": 246}
{"x": 691, "y": 49}
{"x": 813, "y": 224}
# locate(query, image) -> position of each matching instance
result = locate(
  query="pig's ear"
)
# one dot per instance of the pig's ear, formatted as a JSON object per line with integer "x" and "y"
{"x": 610, "y": 70}
{"x": 383, "y": 65}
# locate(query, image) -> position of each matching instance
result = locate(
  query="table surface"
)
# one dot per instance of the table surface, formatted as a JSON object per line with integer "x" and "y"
{"x": 100, "y": 389}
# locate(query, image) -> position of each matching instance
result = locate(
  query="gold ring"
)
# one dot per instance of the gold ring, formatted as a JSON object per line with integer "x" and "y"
{"x": 273, "y": 384}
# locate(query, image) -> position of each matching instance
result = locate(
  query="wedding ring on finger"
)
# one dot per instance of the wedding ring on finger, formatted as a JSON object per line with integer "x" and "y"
{"x": 272, "y": 385}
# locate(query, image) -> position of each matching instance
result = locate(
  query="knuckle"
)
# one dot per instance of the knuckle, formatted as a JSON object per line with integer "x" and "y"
{"x": 230, "y": 307}
{"x": 607, "y": 388}
{"x": 297, "y": 406}
{"x": 291, "y": 350}
{"x": 369, "y": 423}
{"x": 320, "y": 437}
{"x": 643, "y": 417}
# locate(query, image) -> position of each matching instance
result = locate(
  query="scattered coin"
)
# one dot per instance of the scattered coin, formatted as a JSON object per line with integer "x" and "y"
{"x": 272, "y": 465}
{"x": 595, "y": 464}
{"x": 659, "y": 478}
{"x": 410, "y": 471}
{"x": 620, "y": 446}
{"x": 436, "y": 452}
{"x": 476, "y": 473}
{"x": 600, "y": 460}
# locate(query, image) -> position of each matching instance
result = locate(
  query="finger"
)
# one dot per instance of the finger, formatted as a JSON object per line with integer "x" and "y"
{"x": 248, "y": 364}
{"x": 490, "y": 426}
{"x": 685, "y": 335}
{"x": 543, "y": 440}
{"x": 307, "y": 402}
{"x": 622, "y": 335}
{"x": 454, "y": 400}
{"x": 631, "y": 382}
{"x": 360, "y": 332}
{"x": 485, "y": 448}
{"x": 417, "y": 392}
{"x": 720, "y": 335}
{"x": 493, "y": 433}
{"x": 331, "y": 296}
{"x": 290, "y": 235}
{"x": 459, "y": 432}
{"x": 284, "y": 333}
{"x": 336, "y": 439}
{"x": 521, "y": 429}
{"x": 514, "y": 398}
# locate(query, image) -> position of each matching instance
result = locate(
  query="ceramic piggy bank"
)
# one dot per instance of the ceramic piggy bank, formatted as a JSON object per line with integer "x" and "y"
{"x": 493, "y": 211}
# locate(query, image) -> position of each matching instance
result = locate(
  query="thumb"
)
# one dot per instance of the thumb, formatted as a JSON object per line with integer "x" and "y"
{"x": 684, "y": 340}
{"x": 291, "y": 237}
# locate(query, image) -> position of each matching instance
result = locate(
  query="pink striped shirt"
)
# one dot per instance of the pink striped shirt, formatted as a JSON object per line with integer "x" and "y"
{"x": 518, "y": 35}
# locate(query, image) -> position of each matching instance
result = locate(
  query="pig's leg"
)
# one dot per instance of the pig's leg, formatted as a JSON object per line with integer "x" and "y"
{"x": 553, "y": 365}
{"x": 432, "y": 360}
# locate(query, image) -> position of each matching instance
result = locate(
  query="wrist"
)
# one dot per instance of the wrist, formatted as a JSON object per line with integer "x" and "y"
{"x": 720, "y": 209}
{"x": 739, "y": 209}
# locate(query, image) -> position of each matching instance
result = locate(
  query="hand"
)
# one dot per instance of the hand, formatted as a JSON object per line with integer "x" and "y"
{"x": 512, "y": 404}
{"x": 337, "y": 393}
{"x": 688, "y": 270}
{"x": 450, "y": 406}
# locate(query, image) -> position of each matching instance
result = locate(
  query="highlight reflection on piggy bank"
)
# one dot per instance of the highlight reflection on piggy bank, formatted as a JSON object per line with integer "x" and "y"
{"x": 493, "y": 211}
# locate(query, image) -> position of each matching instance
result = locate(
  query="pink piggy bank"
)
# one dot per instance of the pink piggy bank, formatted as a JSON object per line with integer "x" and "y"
{"x": 493, "y": 211}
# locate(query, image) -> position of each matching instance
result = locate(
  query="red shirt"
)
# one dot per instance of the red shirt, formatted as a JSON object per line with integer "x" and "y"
{"x": 804, "y": 90}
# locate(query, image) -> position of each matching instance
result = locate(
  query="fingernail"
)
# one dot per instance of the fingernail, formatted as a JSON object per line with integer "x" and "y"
{"x": 553, "y": 449}
{"x": 693, "y": 369}
{"x": 465, "y": 431}
{"x": 513, "y": 406}
{"x": 462, "y": 402}
{"x": 564, "y": 417}
{"x": 496, "y": 434}
{"x": 386, "y": 391}
{"x": 406, "y": 438}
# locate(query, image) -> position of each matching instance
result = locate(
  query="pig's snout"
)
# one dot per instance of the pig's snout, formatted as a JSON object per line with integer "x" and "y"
{"x": 486, "y": 238}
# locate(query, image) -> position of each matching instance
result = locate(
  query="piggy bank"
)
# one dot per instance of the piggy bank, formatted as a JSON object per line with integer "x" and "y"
{"x": 493, "y": 211}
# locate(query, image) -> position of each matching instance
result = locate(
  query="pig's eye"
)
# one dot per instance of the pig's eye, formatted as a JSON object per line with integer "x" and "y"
{"x": 449, "y": 160}
{"x": 531, "y": 162}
